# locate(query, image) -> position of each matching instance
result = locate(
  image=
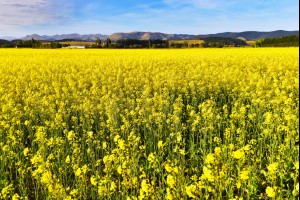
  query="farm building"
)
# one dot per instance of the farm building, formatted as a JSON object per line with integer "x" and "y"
{"x": 74, "y": 47}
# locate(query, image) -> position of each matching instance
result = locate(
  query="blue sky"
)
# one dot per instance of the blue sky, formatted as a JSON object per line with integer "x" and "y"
{"x": 48, "y": 17}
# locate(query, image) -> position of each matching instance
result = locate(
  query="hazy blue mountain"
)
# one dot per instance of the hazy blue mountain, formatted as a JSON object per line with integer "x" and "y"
{"x": 74, "y": 36}
{"x": 248, "y": 35}
{"x": 252, "y": 35}
{"x": 150, "y": 35}
{"x": 9, "y": 38}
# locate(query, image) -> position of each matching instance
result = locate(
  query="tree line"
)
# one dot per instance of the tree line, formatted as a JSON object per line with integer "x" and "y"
{"x": 286, "y": 41}
{"x": 31, "y": 44}
{"x": 220, "y": 42}
{"x": 209, "y": 42}
{"x": 158, "y": 43}
{"x": 130, "y": 43}
{"x": 127, "y": 43}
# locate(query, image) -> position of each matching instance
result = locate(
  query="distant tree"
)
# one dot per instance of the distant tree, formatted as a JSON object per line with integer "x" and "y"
{"x": 259, "y": 42}
{"x": 55, "y": 45}
{"x": 98, "y": 42}
{"x": 108, "y": 42}
{"x": 204, "y": 45}
{"x": 166, "y": 43}
{"x": 185, "y": 44}
{"x": 33, "y": 43}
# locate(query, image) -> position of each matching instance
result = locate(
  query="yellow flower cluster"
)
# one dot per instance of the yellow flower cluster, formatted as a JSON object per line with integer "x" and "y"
{"x": 149, "y": 124}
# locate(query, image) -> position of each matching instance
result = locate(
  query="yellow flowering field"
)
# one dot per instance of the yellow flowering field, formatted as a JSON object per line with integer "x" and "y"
{"x": 149, "y": 124}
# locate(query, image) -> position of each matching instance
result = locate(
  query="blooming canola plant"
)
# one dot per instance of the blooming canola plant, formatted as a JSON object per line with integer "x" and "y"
{"x": 149, "y": 124}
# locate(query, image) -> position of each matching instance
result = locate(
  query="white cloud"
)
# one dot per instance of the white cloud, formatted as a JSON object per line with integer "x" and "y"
{"x": 28, "y": 12}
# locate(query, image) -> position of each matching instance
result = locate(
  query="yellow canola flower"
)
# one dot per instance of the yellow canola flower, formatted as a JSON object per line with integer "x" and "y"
{"x": 46, "y": 177}
{"x": 237, "y": 198}
{"x": 297, "y": 187}
{"x": 178, "y": 137}
{"x": 151, "y": 158}
{"x": 210, "y": 158}
{"x": 93, "y": 180}
{"x": 247, "y": 147}
{"x": 121, "y": 144}
{"x": 231, "y": 146}
{"x": 296, "y": 164}
{"x": 272, "y": 168}
{"x": 107, "y": 159}
{"x": 15, "y": 197}
{"x": 68, "y": 160}
{"x": 244, "y": 175}
{"x": 78, "y": 172}
{"x": 238, "y": 154}
{"x": 90, "y": 134}
{"x": 74, "y": 192}
{"x": 145, "y": 186}
{"x": 36, "y": 159}
{"x": 6, "y": 191}
{"x": 116, "y": 138}
{"x": 84, "y": 169}
{"x": 104, "y": 145}
{"x": 238, "y": 184}
{"x": 207, "y": 174}
{"x": 160, "y": 144}
{"x": 175, "y": 170}
{"x": 26, "y": 152}
{"x": 113, "y": 186}
{"x": 119, "y": 169}
{"x": 268, "y": 118}
{"x": 218, "y": 151}
{"x": 168, "y": 168}
{"x": 171, "y": 181}
{"x": 71, "y": 135}
{"x": 190, "y": 190}
{"x": 182, "y": 151}
{"x": 145, "y": 189}
{"x": 169, "y": 195}
{"x": 270, "y": 192}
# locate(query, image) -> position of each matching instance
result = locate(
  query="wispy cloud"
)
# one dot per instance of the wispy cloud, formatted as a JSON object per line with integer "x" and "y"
{"x": 19, "y": 17}
{"x": 29, "y": 12}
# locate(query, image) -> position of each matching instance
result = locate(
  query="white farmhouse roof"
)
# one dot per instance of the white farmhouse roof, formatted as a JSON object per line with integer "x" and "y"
{"x": 75, "y": 47}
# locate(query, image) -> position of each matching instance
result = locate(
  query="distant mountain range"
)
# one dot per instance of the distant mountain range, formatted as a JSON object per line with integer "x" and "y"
{"x": 150, "y": 35}
{"x": 253, "y": 35}
{"x": 248, "y": 35}
{"x": 73, "y": 36}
